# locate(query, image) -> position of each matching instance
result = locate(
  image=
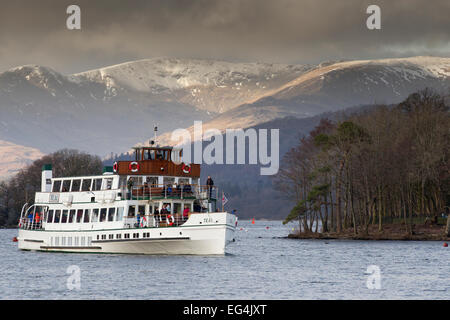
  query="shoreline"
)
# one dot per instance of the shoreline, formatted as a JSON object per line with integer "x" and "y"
{"x": 390, "y": 232}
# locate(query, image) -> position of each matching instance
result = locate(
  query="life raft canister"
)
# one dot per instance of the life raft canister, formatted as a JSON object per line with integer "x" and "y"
{"x": 134, "y": 166}
{"x": 115, "y": 166}
{"x": 186, "y": 169}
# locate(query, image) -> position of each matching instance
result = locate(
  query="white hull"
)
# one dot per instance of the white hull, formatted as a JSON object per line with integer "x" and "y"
{"x": 204, "y": 234}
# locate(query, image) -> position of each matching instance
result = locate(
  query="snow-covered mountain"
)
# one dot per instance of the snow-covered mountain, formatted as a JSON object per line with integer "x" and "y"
{"x": 14, "y": 157}
{"x": 215, "y": 86}
{"x": 336, "y": 86}
{"x": 110, "y": 109}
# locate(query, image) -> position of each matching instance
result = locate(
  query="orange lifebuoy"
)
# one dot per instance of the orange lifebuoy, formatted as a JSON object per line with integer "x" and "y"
{"x": 186, "y": 169}
{"x": 115, "y": 166}
{"x": 134, "y": 167}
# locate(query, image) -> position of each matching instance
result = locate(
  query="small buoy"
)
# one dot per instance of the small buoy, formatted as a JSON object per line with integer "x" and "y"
{"x": 253, "y": 221}
{"x": 241, "y": 229}
{"x": 15, "y": 239}
{"x": 267, "y": 228}
{"x": 445, "y": 244}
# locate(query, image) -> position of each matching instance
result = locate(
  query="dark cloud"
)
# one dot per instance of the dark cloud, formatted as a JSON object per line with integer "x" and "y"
{"x": 289, "y": 31}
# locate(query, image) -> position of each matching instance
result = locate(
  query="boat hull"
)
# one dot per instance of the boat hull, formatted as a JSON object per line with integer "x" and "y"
{"x": 189, "y": 239}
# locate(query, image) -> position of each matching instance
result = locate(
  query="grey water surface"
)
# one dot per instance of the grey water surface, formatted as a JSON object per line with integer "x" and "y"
{"x": 261, "y": 264}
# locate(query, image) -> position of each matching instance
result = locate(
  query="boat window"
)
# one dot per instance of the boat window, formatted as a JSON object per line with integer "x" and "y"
{"x": 108, "y": 183}
{"x": 86, "y": 186}
{"x": 182, "y": 181}
{"x": 50, "y": 216}
{"x": 97, "y": 186}
{"x": 83, "y": 240}
{"x": 137, "y": 181}
{"x": 177, "y": 208}
{"x": 119, "y": 214}
{"x": 149, "y": 155}
{"x": 66, "y": 185}
{"x": 95, "y": 215}
{"x": 141, "y": 210}
{"x": 86, "y": 215}
{"x": 65, "y": 213}
{"x": 71, "y": 216}
{"x": 76, "y": 185}
{"x": 123, "y": 182}
{"x": 103, "y": 215}
{"x": 131, "y": 211}
{"x": 111, "y": 213}
{"x": 56, "y": 186}
{"x": 79, "y": 215}
{"x": 152, "y": 181}
{"x": 168, "y": 180}
{"x": 57, "y": 216}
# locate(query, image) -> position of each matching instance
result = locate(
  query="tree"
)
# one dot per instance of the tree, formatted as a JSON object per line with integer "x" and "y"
{"x": 21, "y": 188}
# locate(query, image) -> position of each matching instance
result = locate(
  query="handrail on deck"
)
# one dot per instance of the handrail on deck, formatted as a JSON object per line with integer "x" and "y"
{"x": 156, "y": 220}
{"x": 169, "y": 191}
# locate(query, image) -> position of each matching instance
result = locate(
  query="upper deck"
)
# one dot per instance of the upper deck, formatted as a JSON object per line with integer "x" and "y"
{"x": 157, "y": 161}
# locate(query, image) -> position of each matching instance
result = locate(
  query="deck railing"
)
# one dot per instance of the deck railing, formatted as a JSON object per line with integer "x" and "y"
{"x": 156, "y": 220}
{"x": 188, "y": 191}
{"x": 31, "y": 218}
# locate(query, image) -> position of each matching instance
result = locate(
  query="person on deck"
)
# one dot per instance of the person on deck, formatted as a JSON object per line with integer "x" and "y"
{"x": 210, "y": 184}
{"x": 30, "y": 220}
{"x": 37, "y": 219}
{"x": 138, "y": 218}
{"x": 186, "y": 212}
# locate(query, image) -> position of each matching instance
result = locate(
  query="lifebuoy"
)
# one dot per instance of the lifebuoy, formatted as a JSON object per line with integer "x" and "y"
{"x": 115, "y": 166}
{"x": 186, "y": 169}
{"x": 143, "y": 222}
{"x": 134, "y": 167}
{"x": 169, "y": 220}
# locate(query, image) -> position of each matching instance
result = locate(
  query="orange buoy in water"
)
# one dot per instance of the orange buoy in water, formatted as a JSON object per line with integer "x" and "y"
{"x": 445, "y": 244}
{"x": 253, "y": 221}
{"x": 15, "y": 239}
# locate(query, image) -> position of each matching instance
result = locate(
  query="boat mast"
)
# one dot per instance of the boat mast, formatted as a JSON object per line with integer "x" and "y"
{"x": 155, "y": 130}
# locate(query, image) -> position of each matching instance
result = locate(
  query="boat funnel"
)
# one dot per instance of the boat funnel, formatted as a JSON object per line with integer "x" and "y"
{"x": 47, "y": 175}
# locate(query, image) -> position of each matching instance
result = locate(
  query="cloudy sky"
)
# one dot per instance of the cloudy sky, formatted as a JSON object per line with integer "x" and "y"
{"x": 281, "y": 31}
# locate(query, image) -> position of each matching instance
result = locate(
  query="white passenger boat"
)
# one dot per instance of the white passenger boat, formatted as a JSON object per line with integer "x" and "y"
{"x": 151, "y": 205}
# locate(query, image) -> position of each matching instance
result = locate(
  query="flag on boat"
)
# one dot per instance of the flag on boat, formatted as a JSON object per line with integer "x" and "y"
{"x": 224, "y": 199}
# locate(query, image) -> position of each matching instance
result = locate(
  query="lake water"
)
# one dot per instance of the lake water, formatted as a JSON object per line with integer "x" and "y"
{"x": 259, "y": 265}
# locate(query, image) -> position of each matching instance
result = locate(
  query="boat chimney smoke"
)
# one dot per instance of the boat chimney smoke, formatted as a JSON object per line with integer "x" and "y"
{"x": 47, "y": 175}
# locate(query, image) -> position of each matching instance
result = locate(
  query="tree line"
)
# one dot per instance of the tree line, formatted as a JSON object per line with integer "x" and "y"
{"x": 382, "y": 165}
{"x": 21, "y": 188}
